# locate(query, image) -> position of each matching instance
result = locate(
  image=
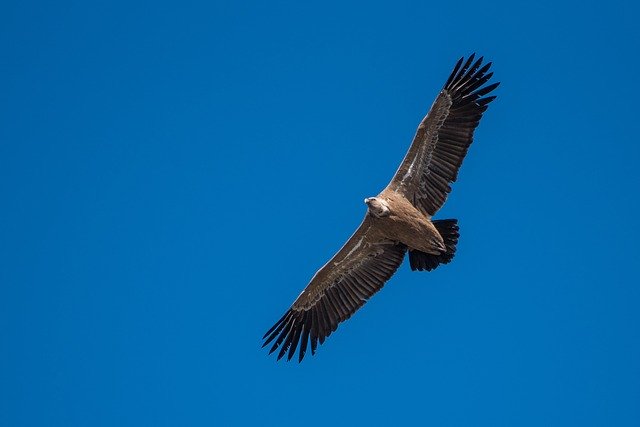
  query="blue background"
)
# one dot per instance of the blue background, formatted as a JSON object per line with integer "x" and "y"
{"x": 172, "y": 175}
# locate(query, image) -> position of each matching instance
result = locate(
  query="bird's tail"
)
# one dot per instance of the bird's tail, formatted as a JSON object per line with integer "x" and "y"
{"x": 448, "y": 229}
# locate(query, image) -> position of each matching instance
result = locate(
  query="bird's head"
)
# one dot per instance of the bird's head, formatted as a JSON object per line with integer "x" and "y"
{"x": 377, "y": 206}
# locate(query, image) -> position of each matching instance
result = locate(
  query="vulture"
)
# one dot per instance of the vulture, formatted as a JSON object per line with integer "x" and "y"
{"x": 398, "y": 220}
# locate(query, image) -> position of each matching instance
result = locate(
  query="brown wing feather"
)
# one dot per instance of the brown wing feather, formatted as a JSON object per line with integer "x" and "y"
{"x": 444, "y": 136}
{"x": 336, "y": 291}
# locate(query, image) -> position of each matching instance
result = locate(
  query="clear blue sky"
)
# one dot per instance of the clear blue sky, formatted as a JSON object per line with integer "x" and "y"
{"x": 171, "y": 176}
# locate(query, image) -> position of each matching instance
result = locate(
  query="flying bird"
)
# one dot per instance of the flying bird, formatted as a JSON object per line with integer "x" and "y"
{"x": 398, "y": 220}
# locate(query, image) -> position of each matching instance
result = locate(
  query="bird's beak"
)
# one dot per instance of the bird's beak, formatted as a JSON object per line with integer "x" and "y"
{"x": 366, "y": 200}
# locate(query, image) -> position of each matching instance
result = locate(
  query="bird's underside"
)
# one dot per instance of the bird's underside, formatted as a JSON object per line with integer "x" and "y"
{"x": 397, "y": 220}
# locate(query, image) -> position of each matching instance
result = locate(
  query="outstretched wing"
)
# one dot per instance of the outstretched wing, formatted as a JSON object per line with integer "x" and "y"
{"x": 443, "y": 137}
{"x": 336, "y": 291}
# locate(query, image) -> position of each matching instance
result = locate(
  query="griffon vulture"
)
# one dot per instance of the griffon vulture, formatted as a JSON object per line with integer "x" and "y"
{"x": 397, "y": 220}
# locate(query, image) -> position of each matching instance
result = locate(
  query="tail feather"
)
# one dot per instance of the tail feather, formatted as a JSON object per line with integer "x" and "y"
{"x": 448, "y": 229}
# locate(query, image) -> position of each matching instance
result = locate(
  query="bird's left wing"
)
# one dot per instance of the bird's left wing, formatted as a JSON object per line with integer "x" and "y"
{"x": 444, "y": 136}
{"x": 336, "y": 291}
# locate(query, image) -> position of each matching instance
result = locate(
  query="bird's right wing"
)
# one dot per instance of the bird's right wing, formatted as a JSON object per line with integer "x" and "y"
{"x": 336, "y": 291}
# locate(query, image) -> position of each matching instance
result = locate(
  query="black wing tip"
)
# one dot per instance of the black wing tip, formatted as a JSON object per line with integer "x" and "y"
{"x": 464, "y": 78}
{"x": 289, "y": 333}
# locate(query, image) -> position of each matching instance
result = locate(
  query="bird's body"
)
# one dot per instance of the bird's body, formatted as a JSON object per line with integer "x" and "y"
{"x": 406, "y": 224}
{"x": 399, "y": 219}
